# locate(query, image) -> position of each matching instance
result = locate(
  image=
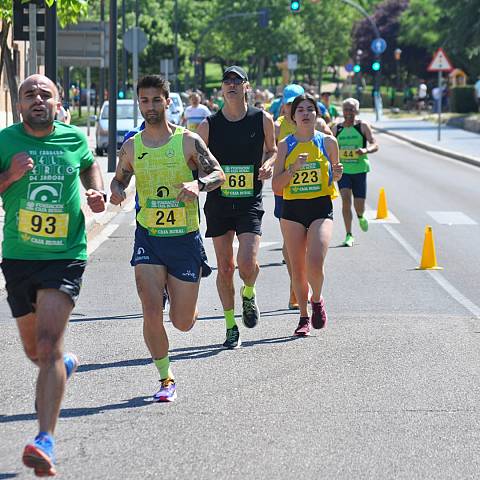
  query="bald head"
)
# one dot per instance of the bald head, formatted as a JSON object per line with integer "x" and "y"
{"x": 38, "y": 103}
{"x": 37, "y": 81}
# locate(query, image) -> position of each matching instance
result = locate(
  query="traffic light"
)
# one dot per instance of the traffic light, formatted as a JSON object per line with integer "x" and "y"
{"x": 121, "y": 94}
{"x": 295, "y": 6}
{"x": 376, "y": 66}
{"x": 357, "y": 68}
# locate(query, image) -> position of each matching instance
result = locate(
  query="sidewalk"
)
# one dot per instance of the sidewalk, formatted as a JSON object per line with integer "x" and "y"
{"x": 455, "y": 142}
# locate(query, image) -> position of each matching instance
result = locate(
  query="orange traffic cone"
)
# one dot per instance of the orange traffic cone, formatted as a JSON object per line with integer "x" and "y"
{"x": 429, "y": 258}
{"x": 382, "y": 210}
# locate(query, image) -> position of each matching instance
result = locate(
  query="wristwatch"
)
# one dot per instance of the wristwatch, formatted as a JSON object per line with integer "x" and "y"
{"x": 104, "y": 195}
{"x": 201, "y": 184}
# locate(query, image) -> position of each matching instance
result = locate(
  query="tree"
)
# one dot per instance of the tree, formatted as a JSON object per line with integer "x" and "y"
{"x": 68, "y": 11}
{"x": 387, "y": 18}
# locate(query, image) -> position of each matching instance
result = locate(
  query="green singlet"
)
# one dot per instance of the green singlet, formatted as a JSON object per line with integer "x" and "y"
{"x": 43, "y": 216}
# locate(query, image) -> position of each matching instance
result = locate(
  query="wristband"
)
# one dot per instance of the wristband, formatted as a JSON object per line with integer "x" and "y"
{"x": 201, "y": 185}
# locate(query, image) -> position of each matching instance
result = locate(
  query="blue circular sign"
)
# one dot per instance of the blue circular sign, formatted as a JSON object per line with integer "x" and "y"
{"x": 349, "y": 67}
{"x": 378, "y": 46}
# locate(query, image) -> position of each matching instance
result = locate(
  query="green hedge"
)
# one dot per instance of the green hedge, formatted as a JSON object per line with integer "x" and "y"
{"x": 462, "y": 99}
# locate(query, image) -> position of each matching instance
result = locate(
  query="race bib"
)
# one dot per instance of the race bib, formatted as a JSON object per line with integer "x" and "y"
{"x": 43, "y": 225}
{"x": 349, "y": 154}
{"x": 306, "y": 180}
{"x": 166, "y": 218}
{"x": 239, "y": 181}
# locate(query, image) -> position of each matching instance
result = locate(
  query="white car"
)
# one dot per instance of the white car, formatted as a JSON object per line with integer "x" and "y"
{"x": 125, "y": 120}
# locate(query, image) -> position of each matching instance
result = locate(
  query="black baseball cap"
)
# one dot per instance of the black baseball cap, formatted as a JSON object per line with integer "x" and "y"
{"x": 239, "y": 71}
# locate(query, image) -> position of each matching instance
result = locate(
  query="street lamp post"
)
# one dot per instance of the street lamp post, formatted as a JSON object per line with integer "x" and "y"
{"x": 358, "y": 74}
{"x": 397, "y": 53}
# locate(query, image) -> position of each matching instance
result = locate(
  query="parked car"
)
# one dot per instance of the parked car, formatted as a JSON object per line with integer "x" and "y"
{"x": 124, "y": 124}
{"x": 175, "y": 112}
{"x": 125, "y": 120}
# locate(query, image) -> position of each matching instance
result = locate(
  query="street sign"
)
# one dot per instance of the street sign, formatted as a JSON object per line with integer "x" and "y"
{"x": 292, "y": 61}
{"x": 142, "y": 40}
{"x": 349, "y": 67}
{"x": 440, "y": 62}
{"x": 166, "y": 67}
{"x": 378, "y": 46}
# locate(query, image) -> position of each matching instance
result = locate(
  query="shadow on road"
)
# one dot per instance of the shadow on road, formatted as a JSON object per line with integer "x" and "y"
{"x": 8, "y": 475}
{"x": 206, "y": 351}
{"x": 82, "y": 412}
{"x": 110, "y": 317}
{"x": 136, "y": 362}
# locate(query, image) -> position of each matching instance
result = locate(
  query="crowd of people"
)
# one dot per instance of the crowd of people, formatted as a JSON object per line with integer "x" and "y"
{"x": 226, "y": 149}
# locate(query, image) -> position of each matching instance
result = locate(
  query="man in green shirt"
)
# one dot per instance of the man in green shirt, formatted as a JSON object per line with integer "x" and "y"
{"x": 44, "y": 243}
{"x": 355, "y": 142}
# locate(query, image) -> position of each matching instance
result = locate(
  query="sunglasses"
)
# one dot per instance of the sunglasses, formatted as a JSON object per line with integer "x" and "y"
{"x": 234, "y": 80}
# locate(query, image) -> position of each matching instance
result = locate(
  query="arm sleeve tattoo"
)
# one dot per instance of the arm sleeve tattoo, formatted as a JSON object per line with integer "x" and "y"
{"x": 203, "y": 157}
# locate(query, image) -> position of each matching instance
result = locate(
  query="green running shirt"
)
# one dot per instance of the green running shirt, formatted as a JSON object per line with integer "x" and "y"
{"x": 43, "y": 216}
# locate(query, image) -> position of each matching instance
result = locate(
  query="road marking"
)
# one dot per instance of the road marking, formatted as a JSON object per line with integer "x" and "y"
{"x": 101, "y": 237}
{"x": 452, "y": 218}
{"x": 436, "y": 275}
{"x": 371, "y": 215}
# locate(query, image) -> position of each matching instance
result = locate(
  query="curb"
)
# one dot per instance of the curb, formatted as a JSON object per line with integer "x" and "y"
{"x": 93, "y": 220}
{"x": 432, "y": 148}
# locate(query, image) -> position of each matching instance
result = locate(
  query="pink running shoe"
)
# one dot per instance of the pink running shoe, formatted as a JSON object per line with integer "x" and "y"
{"x": 319, "y": 314}
{"x": 304, "y": 327}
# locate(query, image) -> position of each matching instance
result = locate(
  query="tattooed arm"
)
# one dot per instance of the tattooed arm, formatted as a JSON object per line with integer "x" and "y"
{"x": 198, "y": 157}
{"x": 123, "y": 174}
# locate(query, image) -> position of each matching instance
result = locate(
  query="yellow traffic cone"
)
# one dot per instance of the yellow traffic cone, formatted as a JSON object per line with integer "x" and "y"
{"x": 429, "y": 258}
{"x": 382, "y": 210}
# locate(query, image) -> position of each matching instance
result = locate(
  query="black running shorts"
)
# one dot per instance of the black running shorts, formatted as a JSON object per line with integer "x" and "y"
{"x": 224, "y": 217}
{"x": 25, "y": 277}
{"x": 307, "y": 211}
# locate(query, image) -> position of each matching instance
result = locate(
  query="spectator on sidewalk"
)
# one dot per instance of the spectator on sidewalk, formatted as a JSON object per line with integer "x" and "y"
{"x": 477, "y": 92}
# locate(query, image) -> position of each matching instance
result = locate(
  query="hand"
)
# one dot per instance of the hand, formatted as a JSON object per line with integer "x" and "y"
{"x": 188, "y": 191}
{"x": 118, "y": 194}
{"x": 337, "y": 171}
{"x": 95, "y": 200}
{"x": 300, "y": 162}
{"x": 265, "y": 171}
{"x": 361, "y": 151}
{"x": 21, "y": 163}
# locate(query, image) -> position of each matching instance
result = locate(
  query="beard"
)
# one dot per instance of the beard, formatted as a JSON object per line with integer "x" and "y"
{"x": 154, "y": 118}
{"x": 39, "y": 122}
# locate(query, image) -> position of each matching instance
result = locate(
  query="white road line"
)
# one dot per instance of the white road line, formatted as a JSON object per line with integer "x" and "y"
{"x": 436, "y": 275}
{"x": 93, "y": 244}
{"x": 451, "y": 218}
{"x": 371, "y": 215}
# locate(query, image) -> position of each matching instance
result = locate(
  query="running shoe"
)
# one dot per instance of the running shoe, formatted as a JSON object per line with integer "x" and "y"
{"x": 292, "y": 303}
{"x": 167, "y": 392}
{"x": 304, "y": 327}
{"x": 363, "y": 222}
{"x": 166, "y": 300}
{"x": 39, "y": 456}
{"x": 251, "y": 313}
{"x": 349, "y": 240}
{"x": 319, "y": 314}
{"x": 233, "y": 338}
{"x": 71, "y": 364}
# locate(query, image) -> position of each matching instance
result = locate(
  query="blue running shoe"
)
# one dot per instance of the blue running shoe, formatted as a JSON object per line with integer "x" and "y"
{"x": 167, "y": 392}
{"x": 71, "y": 363}
{"x": 39, "y": 455}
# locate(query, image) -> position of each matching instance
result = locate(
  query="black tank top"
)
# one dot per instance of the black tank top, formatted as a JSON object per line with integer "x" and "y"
{"x": 238, "y": 143}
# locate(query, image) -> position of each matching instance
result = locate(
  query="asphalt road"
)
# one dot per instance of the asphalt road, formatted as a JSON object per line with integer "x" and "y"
{"x": 390, "y": 390}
